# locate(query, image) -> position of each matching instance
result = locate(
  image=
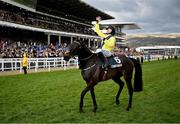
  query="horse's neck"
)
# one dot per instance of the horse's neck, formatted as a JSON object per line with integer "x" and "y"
{"x": 86, "y": 58}
{"x": 84, "y": 53}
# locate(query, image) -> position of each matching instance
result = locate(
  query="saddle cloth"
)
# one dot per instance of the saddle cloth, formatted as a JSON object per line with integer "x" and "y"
{"x": 114, "y": 62}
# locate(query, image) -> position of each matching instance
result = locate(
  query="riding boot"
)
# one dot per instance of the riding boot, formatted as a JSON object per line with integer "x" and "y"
{"x": 104, "y": 60}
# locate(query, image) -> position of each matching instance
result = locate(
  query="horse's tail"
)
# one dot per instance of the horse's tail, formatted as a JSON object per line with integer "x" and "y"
{"x": 138, "y": 82}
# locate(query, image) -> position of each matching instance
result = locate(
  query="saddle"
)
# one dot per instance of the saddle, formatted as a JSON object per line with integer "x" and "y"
{"x": 114, "y": 62}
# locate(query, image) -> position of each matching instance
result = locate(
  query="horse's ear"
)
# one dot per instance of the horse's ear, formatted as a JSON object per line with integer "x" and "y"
{"x": 82, "y": 42}
{"x": 79, "y": 40}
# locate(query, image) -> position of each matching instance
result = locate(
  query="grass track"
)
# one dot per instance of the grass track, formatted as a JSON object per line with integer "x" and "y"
{"x": 54, "y": 97}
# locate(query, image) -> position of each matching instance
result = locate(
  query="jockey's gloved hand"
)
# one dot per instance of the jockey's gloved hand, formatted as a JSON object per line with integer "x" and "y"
{"x": 98, "y": 18}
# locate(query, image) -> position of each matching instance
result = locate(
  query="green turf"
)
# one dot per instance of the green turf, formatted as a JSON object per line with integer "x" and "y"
{"x": 54, "y": 97}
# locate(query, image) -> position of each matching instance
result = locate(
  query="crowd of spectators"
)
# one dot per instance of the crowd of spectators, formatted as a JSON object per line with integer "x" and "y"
{"x": 20, "y": 16}
{"x": 38, "y": 49}
{"x": 9, "y": 49}
{"x": 127, "y": 51}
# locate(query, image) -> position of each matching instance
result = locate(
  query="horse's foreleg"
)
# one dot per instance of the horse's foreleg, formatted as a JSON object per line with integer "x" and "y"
{"x": 121, "y": 85}
{"x": 94, "y": 99}
{"x": 130, "y": 90}
{"x": 83, "y": 93}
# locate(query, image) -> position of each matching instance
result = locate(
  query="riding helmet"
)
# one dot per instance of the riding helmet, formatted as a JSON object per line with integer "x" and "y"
{"x": 113, "y": 30}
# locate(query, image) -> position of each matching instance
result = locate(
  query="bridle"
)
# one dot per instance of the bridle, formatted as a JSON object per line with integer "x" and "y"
{"x": 77, "y": 43}
{"x": 86, "y": 57}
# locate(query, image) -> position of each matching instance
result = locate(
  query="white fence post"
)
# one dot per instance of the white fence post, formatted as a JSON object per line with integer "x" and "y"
{"x": 20, "y": 69}
{"x": 15, "y": 62}
{"x": 36, "y": 65}
{"x": 3, "y": 65}
{"x": 49, "y": 67}
{"x": 46, "y": 62}
{"x": 54, "y": 63}
{"x": 12, "y": 64}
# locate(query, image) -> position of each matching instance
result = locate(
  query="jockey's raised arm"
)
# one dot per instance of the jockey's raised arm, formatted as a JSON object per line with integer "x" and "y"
{"x": 97, "y": 28}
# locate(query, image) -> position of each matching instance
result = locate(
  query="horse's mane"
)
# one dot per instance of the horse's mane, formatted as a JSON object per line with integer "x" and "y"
{"x": 86, "y": 49}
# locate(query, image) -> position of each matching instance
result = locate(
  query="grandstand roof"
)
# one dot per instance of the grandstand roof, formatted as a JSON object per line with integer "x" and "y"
{"x": 122, "y": 25}
{"x": 76, "y": 8}
{"x": 46, "y": 31}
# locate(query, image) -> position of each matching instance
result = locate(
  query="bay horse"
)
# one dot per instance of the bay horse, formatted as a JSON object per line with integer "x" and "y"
{"x": 92, "y": 72}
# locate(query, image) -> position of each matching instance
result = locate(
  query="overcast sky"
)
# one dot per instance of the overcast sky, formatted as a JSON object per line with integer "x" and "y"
{"x": 154, "y": 16}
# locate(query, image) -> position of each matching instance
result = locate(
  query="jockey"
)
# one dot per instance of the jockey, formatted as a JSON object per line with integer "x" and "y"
{"x": 109, "y": 42}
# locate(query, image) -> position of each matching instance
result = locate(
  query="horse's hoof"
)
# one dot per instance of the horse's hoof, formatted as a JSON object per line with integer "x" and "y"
{"x": 81, "y": 111}
{"x": 117, "y": 102}
{"x": 128, "y": 108}
{"x": 94, "y": 110}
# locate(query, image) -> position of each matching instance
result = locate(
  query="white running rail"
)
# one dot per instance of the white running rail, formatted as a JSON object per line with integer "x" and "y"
{"x": 11, "y": 64}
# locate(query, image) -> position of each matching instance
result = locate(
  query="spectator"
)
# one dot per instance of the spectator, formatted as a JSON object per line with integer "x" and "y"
{"x": 25, "y": 63}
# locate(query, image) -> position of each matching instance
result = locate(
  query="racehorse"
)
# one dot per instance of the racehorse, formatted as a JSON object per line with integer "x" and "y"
{"x": 92, "y": 72}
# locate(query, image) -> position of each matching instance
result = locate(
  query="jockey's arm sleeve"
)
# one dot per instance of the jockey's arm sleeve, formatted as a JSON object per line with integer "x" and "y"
{"x": 98, "y": 31}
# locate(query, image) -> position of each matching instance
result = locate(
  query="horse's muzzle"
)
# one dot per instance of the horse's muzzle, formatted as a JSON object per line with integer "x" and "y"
{"x": 66, "y": 58}
{"x": 67, "y": 53}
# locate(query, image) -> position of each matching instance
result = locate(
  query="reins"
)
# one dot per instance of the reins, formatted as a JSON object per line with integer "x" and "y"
{"x": 89, "y": 67}
{"x": 86, "y": 58}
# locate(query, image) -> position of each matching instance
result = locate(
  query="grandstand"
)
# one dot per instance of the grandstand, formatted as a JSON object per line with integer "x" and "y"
{"x": 52, "y": 15}
{"x": 38, "y": 24}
